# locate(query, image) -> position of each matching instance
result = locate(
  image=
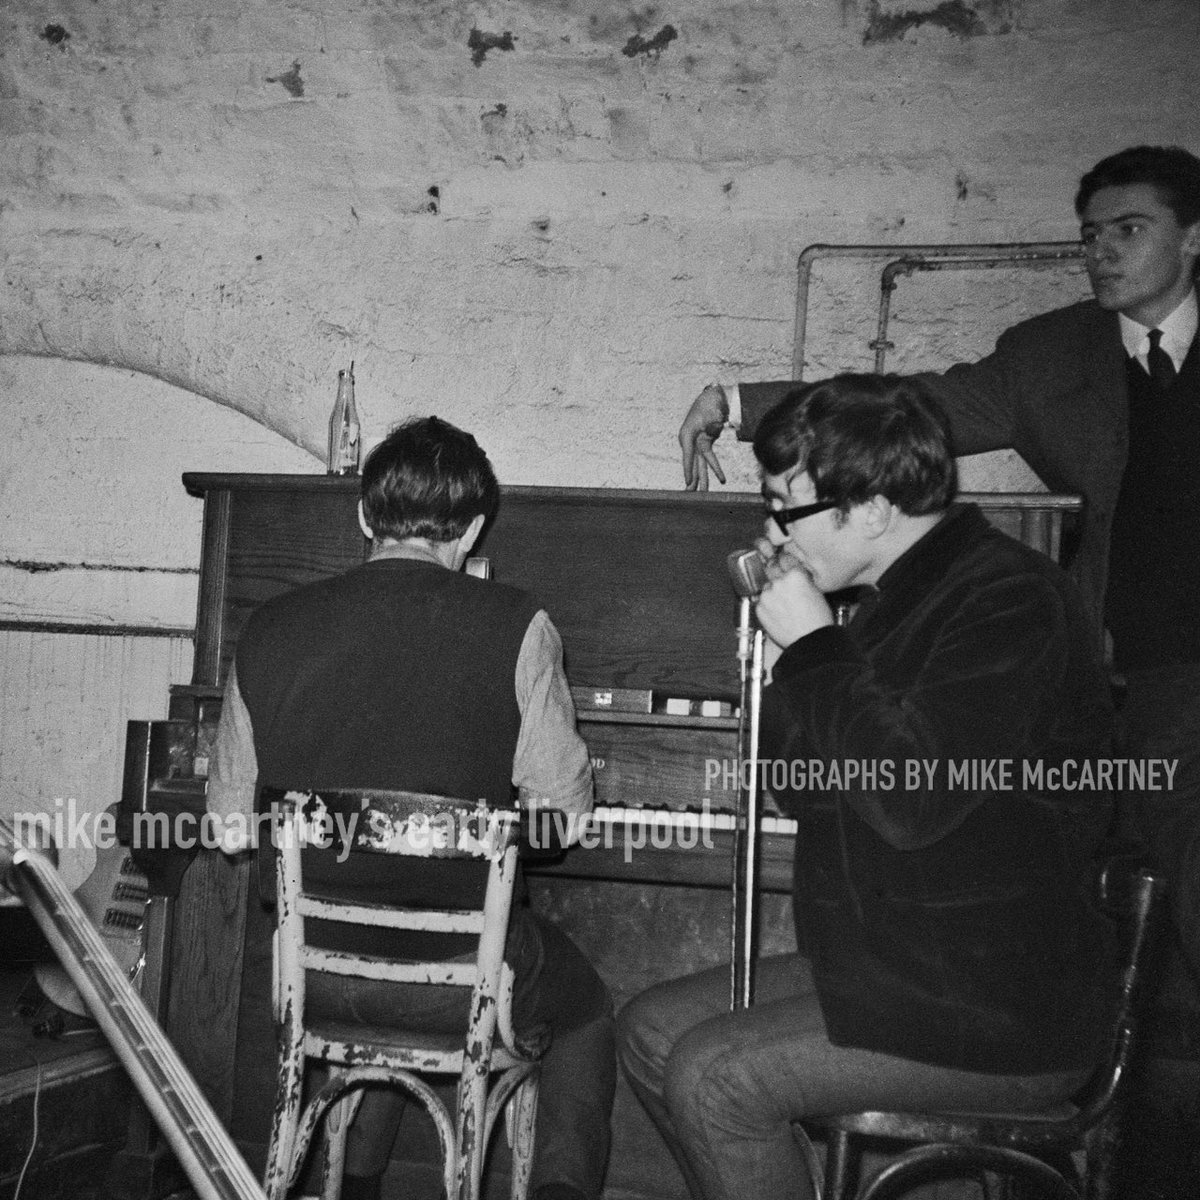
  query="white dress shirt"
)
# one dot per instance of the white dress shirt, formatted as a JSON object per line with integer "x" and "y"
{"x": 1178, "y": 330}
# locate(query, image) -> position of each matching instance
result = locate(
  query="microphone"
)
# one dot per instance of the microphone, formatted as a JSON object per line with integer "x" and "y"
{"x": 747, "y": 572}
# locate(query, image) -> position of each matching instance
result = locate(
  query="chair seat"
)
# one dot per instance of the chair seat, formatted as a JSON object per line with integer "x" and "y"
{"x": 1007, "y": 1128}
{"x": 1062, "y": 1150}
{"x": 395, "y": 1047}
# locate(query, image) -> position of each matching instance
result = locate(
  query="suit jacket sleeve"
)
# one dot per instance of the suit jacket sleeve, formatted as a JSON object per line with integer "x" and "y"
{"x": 981, "y": 399}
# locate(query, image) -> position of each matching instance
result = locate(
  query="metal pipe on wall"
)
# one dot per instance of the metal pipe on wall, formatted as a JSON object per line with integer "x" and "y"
{"x": 914, "y": 257}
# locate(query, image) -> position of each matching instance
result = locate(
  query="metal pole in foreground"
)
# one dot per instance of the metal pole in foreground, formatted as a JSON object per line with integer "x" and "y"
{"x": 749, "y": 872}
{"x": 737, "y": 923}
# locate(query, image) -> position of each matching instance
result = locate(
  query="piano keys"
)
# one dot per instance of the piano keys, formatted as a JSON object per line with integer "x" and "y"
{"x": 687, "y": 825}
{"x": 687, "y": 847}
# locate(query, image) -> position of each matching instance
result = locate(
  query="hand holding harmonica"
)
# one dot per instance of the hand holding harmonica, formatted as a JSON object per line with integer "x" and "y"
{"x": 790, "y": 605}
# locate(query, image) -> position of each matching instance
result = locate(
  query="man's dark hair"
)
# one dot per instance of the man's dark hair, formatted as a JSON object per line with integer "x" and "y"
{"x": 1173, "y": 171}
{"x": 860, "y": 436}
{"x": 427, "y": 479}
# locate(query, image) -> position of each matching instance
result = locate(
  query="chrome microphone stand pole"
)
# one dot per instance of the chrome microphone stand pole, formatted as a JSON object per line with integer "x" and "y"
{"x": 753, "y": 809}
{"x": 737, "y": 923}
{"x": 748, "y": 575}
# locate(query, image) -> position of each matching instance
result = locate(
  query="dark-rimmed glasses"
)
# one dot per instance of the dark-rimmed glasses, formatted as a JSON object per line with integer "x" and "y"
{"x": 783, "y": 517}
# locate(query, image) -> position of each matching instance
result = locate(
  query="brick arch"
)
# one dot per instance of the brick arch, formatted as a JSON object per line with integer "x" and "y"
{"x": 241, "y": 333}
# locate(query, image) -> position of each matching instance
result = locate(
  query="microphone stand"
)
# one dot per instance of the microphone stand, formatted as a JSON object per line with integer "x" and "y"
{"x": 753, "y": 810}
{"x": 747, "y": 816}
{"x": 736, "y": 906}
{"x": 749, "y": 577}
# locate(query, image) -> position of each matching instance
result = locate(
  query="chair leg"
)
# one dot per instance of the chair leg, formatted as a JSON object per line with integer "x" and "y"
{"x": 333, "y": 1157}
{"x": 1103, "y": 1142}
{"x": 521, "y": 1116}
{"x": 837, "y": 1165}
{"x": 333, "y": 1152}
{"x": 471, "y": 1135}
{"x": 282, "y": 1147}
{"x": 812, "y": 1161}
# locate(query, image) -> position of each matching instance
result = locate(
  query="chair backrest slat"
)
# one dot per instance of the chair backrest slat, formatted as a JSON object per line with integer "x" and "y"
{"x": 363, "y": 966}
{"x": 414, "y": 824}
{"x": 432, "y": 920}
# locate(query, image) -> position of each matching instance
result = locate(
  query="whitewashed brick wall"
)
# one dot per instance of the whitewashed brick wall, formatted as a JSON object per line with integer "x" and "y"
{"x": 235, "y": 196}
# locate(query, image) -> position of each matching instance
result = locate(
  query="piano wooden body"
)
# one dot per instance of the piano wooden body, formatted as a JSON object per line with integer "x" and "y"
{"x": 636, "y": 583}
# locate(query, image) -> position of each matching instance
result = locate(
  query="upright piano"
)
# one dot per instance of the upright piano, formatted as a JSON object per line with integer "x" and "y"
{"x": 636, "y": 583}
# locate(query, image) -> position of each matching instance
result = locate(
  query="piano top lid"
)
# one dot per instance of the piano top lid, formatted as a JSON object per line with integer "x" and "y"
{"x": 198, "y": 483}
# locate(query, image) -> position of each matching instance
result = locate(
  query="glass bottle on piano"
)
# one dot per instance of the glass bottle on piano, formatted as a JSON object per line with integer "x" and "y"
{"x": 344, "y": 441}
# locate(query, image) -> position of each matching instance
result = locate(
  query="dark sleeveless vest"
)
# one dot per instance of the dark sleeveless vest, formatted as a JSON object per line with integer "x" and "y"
{"x": 1152, "y": 607}
{"x": 398, "y": 674}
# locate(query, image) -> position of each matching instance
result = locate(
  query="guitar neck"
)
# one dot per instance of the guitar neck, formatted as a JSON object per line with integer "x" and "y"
{"x": 205, "y": 1151}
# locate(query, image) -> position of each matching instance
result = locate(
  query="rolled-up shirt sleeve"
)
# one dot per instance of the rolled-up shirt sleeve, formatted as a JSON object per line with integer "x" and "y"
{"x": 551, "y": 765}
{"x": 233, "y": 774}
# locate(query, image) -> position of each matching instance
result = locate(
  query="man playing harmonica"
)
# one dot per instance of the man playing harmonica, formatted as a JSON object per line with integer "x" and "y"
{"x": 949, "y": 956}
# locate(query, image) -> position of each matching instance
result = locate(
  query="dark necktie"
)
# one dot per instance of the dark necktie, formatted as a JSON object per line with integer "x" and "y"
{"x": 1159, "y": 364}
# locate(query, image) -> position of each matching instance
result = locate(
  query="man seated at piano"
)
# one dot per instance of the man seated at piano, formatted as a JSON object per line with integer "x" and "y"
{"x": 948, "y": 954}
{"x": 407, "y": 674}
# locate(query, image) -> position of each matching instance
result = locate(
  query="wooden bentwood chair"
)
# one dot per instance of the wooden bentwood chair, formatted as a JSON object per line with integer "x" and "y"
{"x": 1018, "y": 1146}
{"x": 428, "y": 827}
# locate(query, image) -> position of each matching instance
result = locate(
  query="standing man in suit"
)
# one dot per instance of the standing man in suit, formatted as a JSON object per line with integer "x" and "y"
{"x": 1101, "y": 398}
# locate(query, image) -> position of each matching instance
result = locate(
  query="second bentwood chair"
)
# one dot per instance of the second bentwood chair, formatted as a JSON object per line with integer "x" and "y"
{"x": 1017, "y": 1146}
{"x": 484, "y": 1056}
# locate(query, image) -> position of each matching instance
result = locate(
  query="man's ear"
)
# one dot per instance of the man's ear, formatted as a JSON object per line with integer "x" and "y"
{"x": 1191, "y": 241}
{"x": 471, "y": 535}
{"x": 368, "y": 532}
{"x": 876, "y": 516}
